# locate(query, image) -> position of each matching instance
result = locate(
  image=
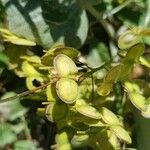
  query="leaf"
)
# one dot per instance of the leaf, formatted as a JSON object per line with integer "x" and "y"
{"x": 10, "y": 37}
{"x": 121, "y": 133}
{"x": 64, "y": 66}
{"x": 24, "y": 145}
{"x": 7, "y": 136}
{"x": 56, "y": 111}
{"x": 38, "y": 21}
{"x": 99, "y": 53}
{"x": 13, "y": 109}
{"x": 29, "y": 69}
{"x": 87, "y": 110}
{"x": 67, "y": 90}
{"x": 47, "y": 58}
{"x": 109, "y": 117}
{"x": 104, "y": 89}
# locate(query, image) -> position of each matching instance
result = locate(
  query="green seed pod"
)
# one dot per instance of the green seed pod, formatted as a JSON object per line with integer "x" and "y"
{"x": 135, "y": 52}
{"x": 128, "y": 39}
{"x": 121, "y": 133}
{"x": 113, "y": 74}
{"x": 64, "y": 66}
{"x": 87, "y": 110}
{"x": 51, "y": 93}
{"x": 47, "y": 59}
{"x": 56, "y": 111}
{"x": 80, "y": 140}
{"x": 67, "y": 90}
{"x": 104, "y": 89}
{"x": 109, "y": 117}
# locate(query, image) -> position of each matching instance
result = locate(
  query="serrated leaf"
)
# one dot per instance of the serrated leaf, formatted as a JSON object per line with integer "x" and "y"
{"x": 24, "y": 145}
{"x": 87, "y": 110}
{"x": 121, "y": 133}
{"x": 67, "y": 90}
{"x": 64, "y": 66}
{"x": 109, "y": 117}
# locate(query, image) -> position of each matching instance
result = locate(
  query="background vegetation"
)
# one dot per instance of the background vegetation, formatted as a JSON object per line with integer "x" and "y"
{"x": 91, "y": 26}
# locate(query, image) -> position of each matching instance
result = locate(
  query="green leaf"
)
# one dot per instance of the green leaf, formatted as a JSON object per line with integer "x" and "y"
{"x": 67, "y": 90}
{"x": 99, "y": 53}
{"x": 24, "y": 145}
{"x": 109, "y": 117}
{"x": 7, "y": 136}
{"x": 40, "y": 21}
{"x": 10, "y": 37}
{"x": 121, "y": 133}
{"x": 87, "y": 110}
{"x": 13, "y": 109}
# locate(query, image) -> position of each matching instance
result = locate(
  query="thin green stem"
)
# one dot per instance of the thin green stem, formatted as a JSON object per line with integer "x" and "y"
{"x": 82, "y": 77}
{"x": 147, "y": 15}
{"x": 117, "y": 9}
{"x": 23, "y": 93}
{"x": 108, "y": 27}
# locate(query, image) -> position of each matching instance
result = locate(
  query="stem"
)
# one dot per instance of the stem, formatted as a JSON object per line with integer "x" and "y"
{"x": 23, "y": 93}
{"x": 82, "y": 77}
{"x": 147, "y": 16}
{"x": 108, "y": 27}
{"x": 117, "y": 9}
{"x": 26, "y": 129}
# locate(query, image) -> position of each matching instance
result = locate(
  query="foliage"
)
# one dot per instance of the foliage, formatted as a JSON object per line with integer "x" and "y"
{"x": 83, "y": 82}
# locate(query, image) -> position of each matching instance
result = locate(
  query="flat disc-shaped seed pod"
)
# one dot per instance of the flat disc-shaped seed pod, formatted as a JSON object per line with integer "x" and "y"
{"x": 121, "y": 133}
{"x": 87, "y": 110}
{"x": 64, "y": 66}
{"x": 56, "y": 111}
{"x": 109, "y": 117}
{"x": 51, "y": 93}
{"x": 128, "y": 39}
{"x": 113, "y": 74}
{"x": 135, "y": 52}
{"x": 104, "y": 89}
{"x": 67, "y": 90}
{"x": 138, "y": 100}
